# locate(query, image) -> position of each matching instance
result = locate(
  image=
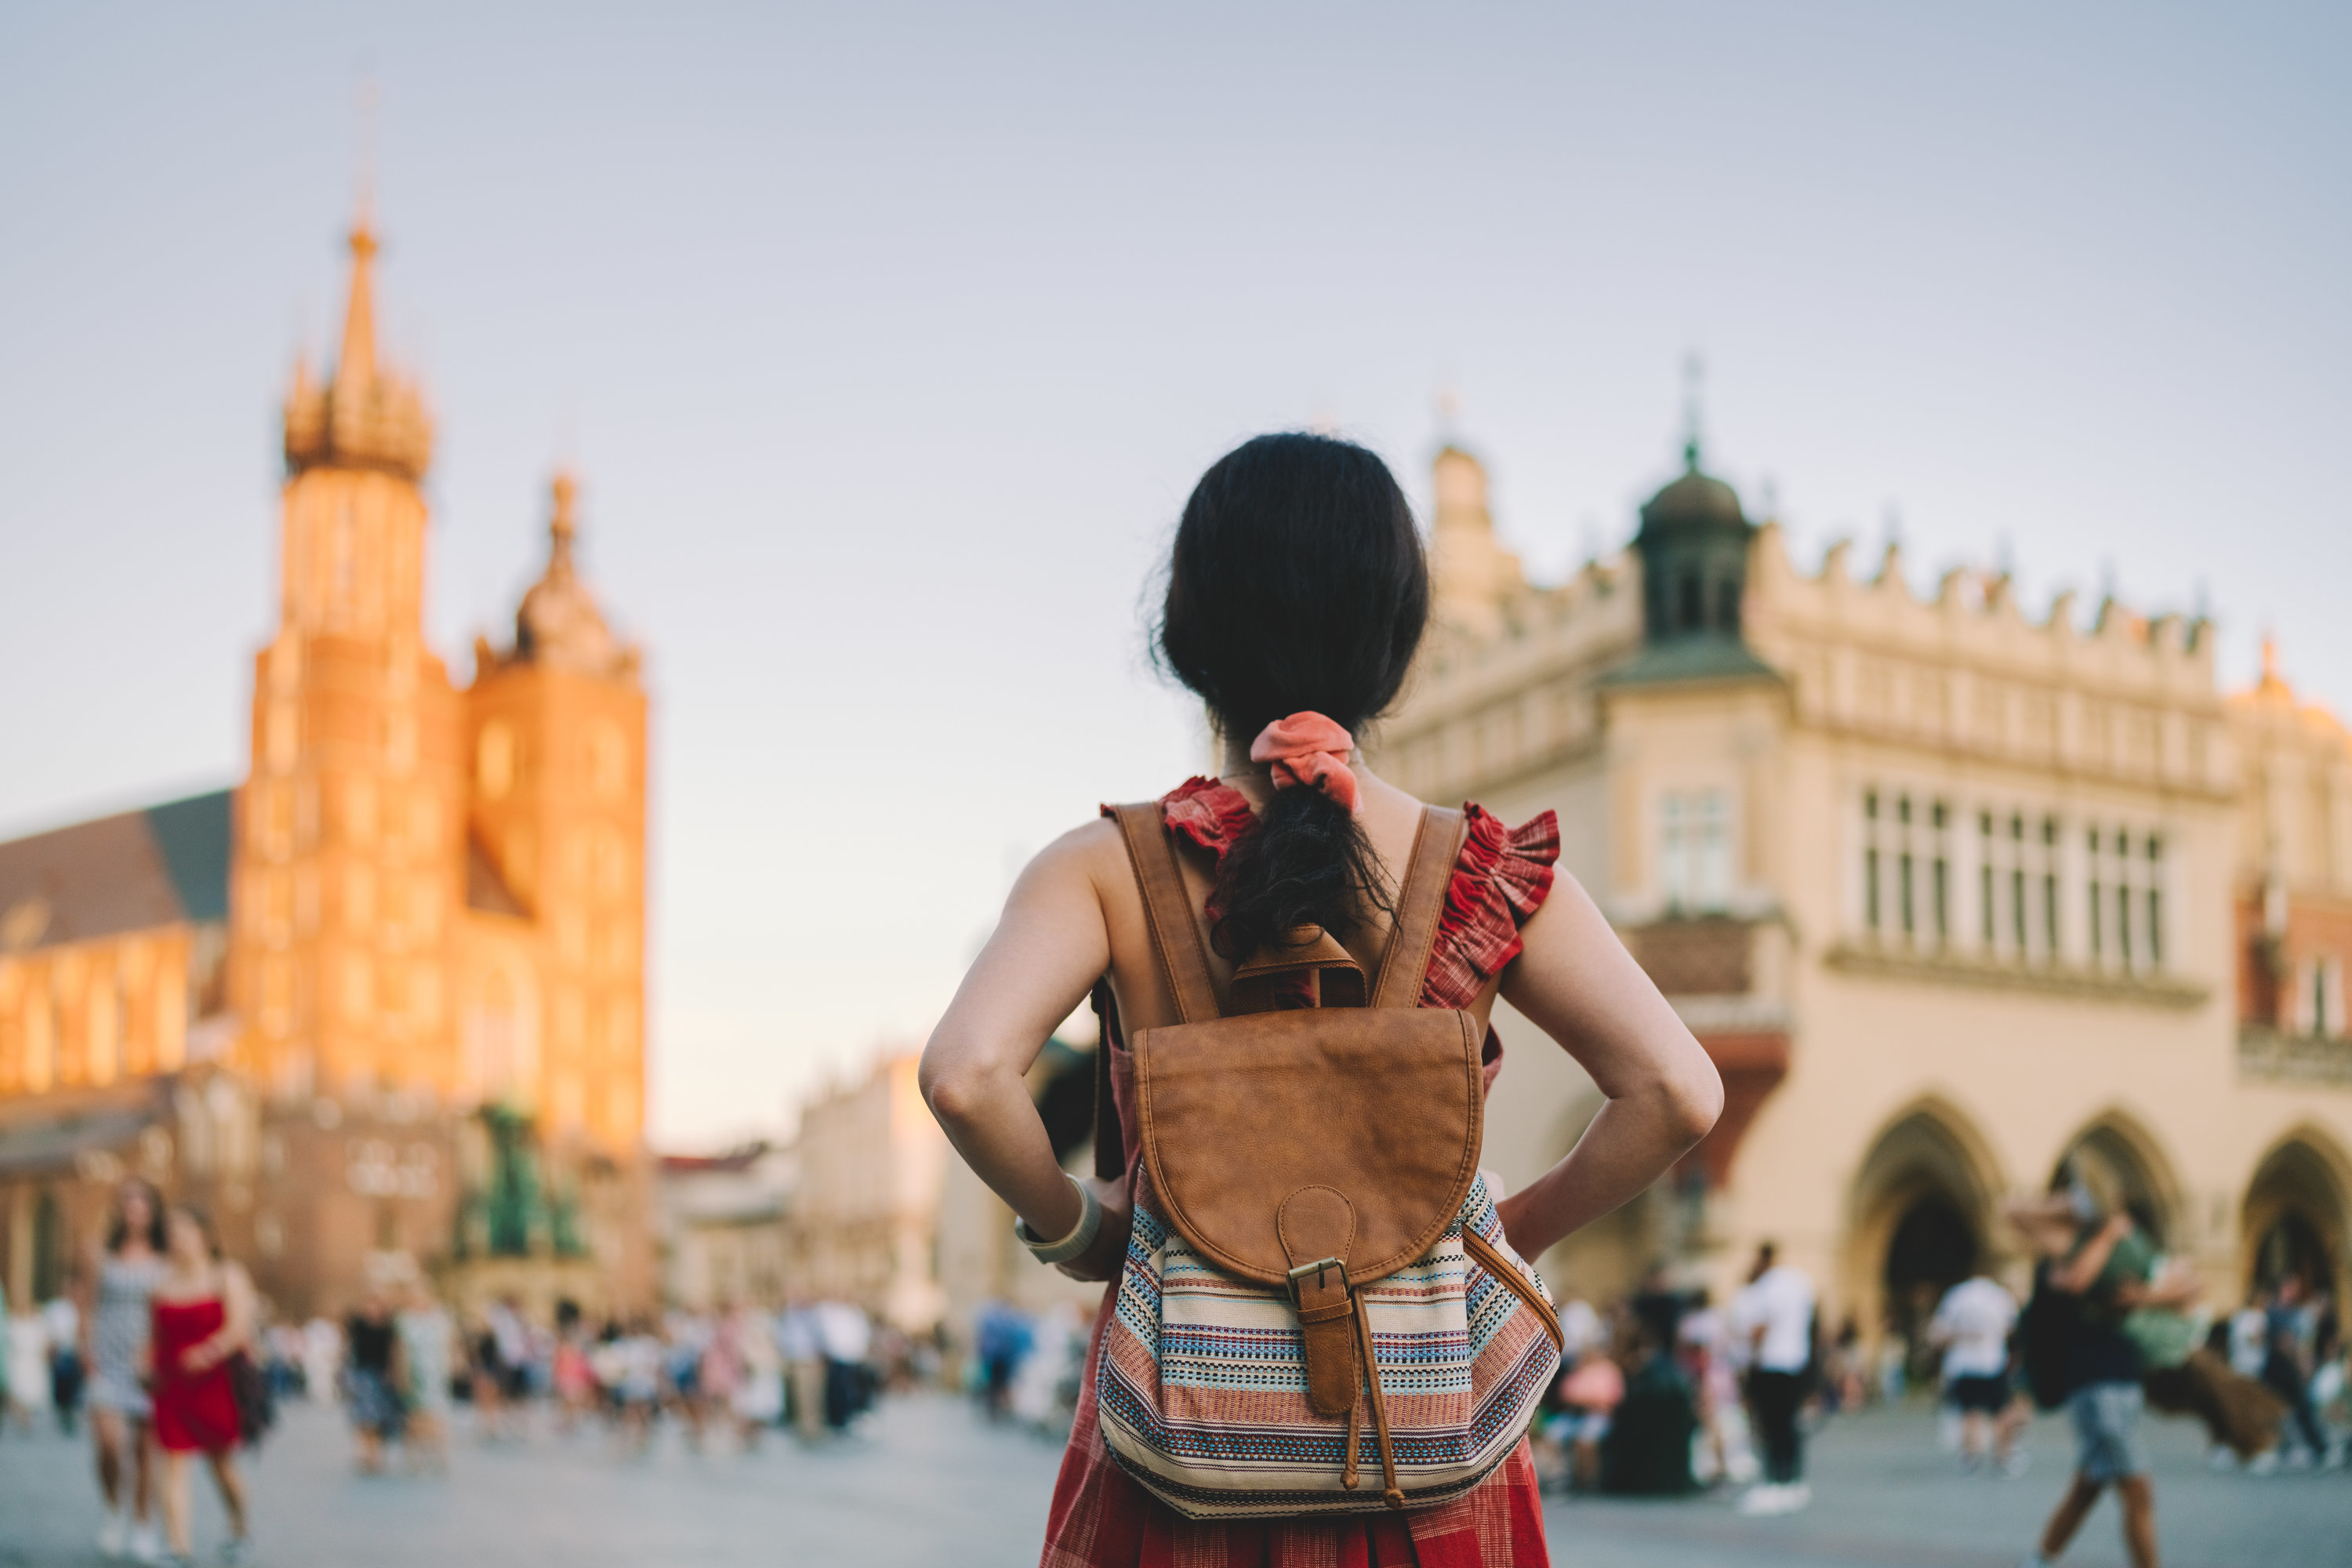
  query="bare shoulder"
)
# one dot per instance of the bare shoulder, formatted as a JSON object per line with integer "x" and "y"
{"x": 1088, "y": 850}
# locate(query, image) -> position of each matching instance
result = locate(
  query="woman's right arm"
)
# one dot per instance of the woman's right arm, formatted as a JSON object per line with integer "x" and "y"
{"x": 1574, "y": 980}
{"x": 1048, "y": 949}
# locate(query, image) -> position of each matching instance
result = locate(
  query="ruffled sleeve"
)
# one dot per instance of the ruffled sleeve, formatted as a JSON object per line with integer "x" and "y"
{"x": 1501, "y": 879}
{"x": 1212, "y": 814}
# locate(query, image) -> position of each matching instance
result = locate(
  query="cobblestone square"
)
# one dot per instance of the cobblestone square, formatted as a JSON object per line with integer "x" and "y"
{"x": 927, "y": 1482}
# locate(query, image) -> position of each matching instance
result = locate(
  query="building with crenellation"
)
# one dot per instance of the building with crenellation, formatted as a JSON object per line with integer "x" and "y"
{"x": 1952, "y": 895}
{"x": 383, "y": 1004}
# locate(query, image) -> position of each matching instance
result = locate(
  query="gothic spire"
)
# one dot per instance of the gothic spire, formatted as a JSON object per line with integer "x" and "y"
{"x": 355, "y": 366}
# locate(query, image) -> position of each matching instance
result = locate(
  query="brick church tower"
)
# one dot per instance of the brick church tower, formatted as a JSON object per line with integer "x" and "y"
{"x": 436, "y": 932}
{"x": 345, "y": 885}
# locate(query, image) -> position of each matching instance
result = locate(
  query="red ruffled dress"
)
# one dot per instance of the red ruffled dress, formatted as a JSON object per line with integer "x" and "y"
{"x": 1101, "y": 1517}
{"x": 195, "y": 1412}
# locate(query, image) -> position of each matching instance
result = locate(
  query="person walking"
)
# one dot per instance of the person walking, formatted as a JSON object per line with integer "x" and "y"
{"x": 119, "y": 1286}
{"x": 1972, "y": 1325}
{"x": 370, "y": 1394}
{"x": 68, "y": 1370}
{"x": 28, "y": 1365}
{"x": 1773, "y": 1318}
{"x": 2109, "y": 1269}
{"x": 804, "y": 1357}
{"x": 203, "y": 1312}
{"x": 2286, "y": 1371}
{"x": 1298, "y": 595}
{"x": 426, "y": 1349}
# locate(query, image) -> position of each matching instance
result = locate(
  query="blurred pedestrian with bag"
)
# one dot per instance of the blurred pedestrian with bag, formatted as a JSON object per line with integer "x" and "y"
{"x": 205, "y": 1312}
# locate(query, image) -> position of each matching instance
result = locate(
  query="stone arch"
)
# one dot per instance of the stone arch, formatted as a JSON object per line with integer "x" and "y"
{"x": 2116, "y": 1152}
{"x": 1921, "y": 1216}
{"x": 2297, "y": 1212}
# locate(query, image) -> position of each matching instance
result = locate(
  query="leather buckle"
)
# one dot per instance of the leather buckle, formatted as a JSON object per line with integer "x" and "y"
{"x": 1317, "y": 1268}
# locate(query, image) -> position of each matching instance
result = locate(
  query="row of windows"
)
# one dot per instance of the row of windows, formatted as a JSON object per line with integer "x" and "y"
{"x": 1912, "y": 860}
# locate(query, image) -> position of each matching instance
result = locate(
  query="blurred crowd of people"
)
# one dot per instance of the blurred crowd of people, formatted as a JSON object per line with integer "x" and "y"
{"x": 161, "y": 1349}
{"x": 164, "y": 1349}
{"x": 402, "y": 1363}
{"x": 1666, "y": 1392}
{"x": 1026, "y": 1368}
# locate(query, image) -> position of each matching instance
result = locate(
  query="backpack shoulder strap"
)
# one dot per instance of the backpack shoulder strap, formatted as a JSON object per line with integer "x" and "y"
{"x": 1421, "y": 902}
{"x": 1167, "y": 909}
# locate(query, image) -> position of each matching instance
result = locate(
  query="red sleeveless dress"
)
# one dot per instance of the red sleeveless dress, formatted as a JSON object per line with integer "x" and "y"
{"x": 194, "y": 1411}
{"x": 1102, "y": 1519}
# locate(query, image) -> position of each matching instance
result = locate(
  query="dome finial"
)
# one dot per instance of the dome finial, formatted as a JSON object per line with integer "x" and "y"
{"x": 1694, "y": 372}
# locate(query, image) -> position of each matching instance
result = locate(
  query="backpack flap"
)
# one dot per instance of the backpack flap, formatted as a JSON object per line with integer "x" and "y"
{"x": 1380, "y": 1106}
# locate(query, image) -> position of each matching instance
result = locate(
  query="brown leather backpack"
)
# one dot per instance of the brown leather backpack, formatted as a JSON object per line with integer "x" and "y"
{"x": 1297, "y": 1163}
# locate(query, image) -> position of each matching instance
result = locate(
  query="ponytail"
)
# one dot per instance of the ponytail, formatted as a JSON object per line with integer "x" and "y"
{"x": 1297, "y": 584}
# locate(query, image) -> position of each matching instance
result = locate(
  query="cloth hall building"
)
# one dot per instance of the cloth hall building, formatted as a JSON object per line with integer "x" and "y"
{"x": 1950, "y": 894}
{"x": 381, "y": 1006}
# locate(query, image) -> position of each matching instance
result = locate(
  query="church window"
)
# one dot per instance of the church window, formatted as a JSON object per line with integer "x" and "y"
{"x": 359, "y": 988}
{"x": 1938, "y": 816}
{"x": 40, "y": 1061}
{"x": 612, "y": 863}
{"x": 1728, "y": 617}
{"x": 1695, "y": 860}
{"x": 608, "y": 760}
{"x": 1692, "y": 614}
{"x": 102, "y": 1055}
{"x": 500, "y": 1045}
{"x": 360, "y": 810}
{"x": 494, "y": 760}
{"x": 359, "y": 897}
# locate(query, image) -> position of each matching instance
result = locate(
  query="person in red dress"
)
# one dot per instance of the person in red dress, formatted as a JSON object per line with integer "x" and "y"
{"x": 204, "y": 1315}
{"x": 1298, "y": 595}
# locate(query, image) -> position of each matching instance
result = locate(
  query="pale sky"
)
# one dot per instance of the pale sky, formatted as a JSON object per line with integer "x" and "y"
{"x": 889, "y": 339}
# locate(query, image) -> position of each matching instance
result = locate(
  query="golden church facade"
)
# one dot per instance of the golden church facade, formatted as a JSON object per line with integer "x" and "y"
{"x": 409, "y": 947}
{"x": 1950, "y": 895}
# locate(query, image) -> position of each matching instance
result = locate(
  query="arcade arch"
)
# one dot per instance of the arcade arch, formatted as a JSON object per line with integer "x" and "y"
{"x": 2297, "y": 1216}
{"x": 1921, "y": 1218}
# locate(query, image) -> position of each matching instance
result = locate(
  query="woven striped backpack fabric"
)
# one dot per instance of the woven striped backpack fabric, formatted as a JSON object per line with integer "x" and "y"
{"x": 1316, "y": 1284}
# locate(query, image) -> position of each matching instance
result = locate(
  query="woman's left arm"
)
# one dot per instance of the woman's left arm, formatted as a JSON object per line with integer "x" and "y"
{"x": 238, "y": 1312}
{"x": 1049, "y": 948}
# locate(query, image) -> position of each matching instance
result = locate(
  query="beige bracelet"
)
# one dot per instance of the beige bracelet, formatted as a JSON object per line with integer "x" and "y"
{"x": 1082, "y": 1235}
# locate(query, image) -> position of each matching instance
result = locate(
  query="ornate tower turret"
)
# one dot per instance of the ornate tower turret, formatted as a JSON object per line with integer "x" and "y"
{"x": 1474, "y": 576}
{"x": 345, "y": 893}
{"x": 556, "y": 813}
{"x": 1693, "y": 544}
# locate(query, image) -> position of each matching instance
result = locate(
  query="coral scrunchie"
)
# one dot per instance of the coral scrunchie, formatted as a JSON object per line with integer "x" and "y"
{"x": 1309, "y": 749}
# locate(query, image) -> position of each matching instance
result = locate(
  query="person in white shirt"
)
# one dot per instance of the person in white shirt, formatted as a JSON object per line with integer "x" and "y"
{"x": 1773, "y": 1316}
{"x": 1972, "y": 1323}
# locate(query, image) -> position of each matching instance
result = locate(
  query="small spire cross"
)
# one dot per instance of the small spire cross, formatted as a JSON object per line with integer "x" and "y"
{"x": 1694, "y": 374}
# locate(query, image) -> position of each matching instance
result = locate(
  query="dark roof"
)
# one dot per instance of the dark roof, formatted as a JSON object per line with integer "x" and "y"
{"x": 1695, "y": 498}
{"x": 142, "y": 868}
{"x": 485, "y": 889}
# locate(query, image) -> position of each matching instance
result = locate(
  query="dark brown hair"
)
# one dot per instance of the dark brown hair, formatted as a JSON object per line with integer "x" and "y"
{"x": 1296, "y": 584}
{"x": 118, "y": 1222}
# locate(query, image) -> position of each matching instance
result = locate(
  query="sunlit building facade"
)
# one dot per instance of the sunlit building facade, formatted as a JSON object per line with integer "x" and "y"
{"x": 1948, "y": 894}
{"x": 412, "y": 943}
